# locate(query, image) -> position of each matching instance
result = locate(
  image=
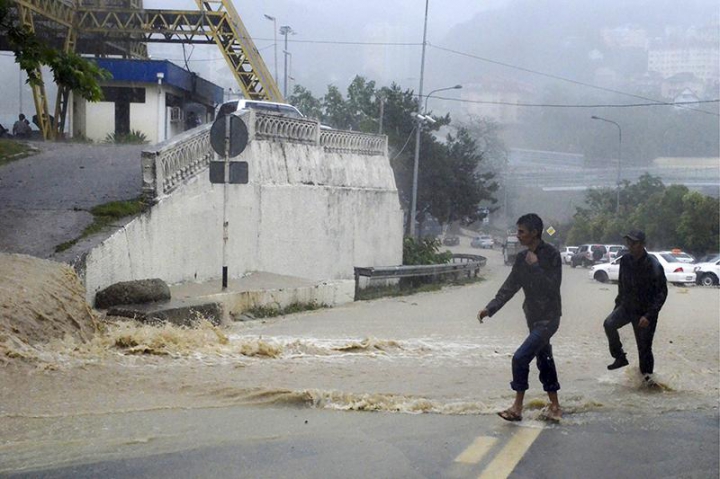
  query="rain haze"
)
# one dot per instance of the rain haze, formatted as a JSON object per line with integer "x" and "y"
{"x": 201, "y": 277}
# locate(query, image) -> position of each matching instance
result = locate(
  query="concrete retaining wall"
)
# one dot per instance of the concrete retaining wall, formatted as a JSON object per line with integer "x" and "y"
{"x": 304, "y": 213}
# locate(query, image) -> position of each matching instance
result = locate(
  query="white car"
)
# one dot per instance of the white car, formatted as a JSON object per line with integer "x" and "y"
{"x": 605, "y": 272}
{"x": 485, "y": 241}
{"x": 282, "y": 109}
{"x": 270, "y": 107}
{"x": 676, "y": 272}
{"x": 567, "y": 252}
{"x": 612, "y": 251}
{"x": 681, "y": 256}
{"x": 707, "y": 274}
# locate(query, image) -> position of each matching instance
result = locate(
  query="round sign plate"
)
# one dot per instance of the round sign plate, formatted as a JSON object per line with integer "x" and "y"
{"x": 238, "y": 135}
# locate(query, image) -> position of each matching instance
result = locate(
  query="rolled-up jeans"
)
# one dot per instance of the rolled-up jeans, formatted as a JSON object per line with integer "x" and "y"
{"x": 537, "y": 345}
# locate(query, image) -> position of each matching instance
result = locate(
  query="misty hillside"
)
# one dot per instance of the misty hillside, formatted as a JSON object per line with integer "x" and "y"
{"x": 555, "y": 36}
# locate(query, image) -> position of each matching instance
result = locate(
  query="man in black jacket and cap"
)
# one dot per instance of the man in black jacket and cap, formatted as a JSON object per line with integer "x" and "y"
{"x": 642, "y": 290}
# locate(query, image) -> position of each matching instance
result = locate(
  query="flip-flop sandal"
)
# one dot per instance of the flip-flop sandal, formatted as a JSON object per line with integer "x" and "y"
{"x": 509, "y": 415}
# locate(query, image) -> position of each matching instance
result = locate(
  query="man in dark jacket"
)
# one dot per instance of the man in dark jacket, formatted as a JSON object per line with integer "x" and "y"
{"x": 642, "y": 290}
{"x": 538, "y": 271}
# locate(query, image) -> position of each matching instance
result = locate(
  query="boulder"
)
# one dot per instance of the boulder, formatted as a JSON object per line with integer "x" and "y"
{"x": 133, "y": 292}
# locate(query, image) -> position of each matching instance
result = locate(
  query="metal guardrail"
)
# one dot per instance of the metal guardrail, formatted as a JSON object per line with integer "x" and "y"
{"x": 460, "y": 263}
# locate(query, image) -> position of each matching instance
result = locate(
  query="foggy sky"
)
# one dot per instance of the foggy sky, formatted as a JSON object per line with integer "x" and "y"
{"x": 522, "y": 32}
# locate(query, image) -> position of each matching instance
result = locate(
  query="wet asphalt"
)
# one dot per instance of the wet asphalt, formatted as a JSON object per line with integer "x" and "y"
{"x": 45, "y": 198}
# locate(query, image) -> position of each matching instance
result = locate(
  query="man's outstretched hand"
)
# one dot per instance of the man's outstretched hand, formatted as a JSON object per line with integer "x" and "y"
{"x": 482, "y": 314}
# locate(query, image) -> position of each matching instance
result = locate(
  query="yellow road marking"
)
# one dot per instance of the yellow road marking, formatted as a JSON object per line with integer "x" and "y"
{"x": 506, "y": 460}
{"x": 477, "y": 450}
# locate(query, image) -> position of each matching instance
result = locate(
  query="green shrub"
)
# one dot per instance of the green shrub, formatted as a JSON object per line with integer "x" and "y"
{"x": 135, "y": 137}
{"x": 424, "y": 251}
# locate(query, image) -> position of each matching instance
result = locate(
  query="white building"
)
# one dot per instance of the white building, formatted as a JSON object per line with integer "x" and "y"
{"x": 156, "y": 98}
{"x": 701, "y": 58}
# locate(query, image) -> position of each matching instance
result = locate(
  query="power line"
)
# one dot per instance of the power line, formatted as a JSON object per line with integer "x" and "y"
{"x": 339, "y": 42}
{"x": 565, "y": 105}
{"x": 557, "y": 77}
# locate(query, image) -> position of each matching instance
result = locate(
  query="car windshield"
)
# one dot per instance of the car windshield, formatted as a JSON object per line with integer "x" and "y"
{"x": 670, "y": 258}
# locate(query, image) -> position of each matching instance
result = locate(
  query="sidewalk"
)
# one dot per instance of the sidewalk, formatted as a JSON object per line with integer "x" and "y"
{"x": 45, "y": 198}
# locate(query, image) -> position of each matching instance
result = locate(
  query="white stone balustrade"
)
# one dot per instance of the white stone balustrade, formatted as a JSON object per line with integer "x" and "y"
{"x": 167, "y": 164}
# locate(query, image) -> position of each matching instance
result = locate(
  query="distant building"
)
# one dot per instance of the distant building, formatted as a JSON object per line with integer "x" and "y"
{"x": 154, "y": 97}
{"x": 701, "y": 58}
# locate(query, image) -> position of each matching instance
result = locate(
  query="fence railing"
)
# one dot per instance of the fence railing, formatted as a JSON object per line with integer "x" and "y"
{"x": 469, "y": 264}
{"x": 339, "y": 141}
{"x": 166, "y": 165}
{"x": 171, "y": 162}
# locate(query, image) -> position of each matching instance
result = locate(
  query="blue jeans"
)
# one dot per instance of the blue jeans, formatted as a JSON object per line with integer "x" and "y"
{"x": 537, "y": 345}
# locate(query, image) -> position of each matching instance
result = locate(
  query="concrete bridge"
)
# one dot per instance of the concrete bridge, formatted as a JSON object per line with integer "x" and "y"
{"x": 318, "y": 202}
{"x": 705, "y": 180}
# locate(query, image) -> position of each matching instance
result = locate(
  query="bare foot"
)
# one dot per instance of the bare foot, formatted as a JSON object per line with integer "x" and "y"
{"x": 552, "y": 414}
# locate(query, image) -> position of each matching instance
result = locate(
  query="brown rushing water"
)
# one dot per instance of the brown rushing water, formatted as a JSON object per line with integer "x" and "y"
{"x": 419, "y": 354}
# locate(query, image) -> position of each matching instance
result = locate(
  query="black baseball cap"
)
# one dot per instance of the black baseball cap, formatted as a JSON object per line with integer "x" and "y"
{"x": 635, "y": 235}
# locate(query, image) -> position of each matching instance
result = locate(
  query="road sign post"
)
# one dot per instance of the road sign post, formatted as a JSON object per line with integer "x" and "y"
{"x": 228, "y": 138}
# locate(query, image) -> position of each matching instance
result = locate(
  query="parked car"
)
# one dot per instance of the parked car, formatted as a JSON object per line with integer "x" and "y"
{"x": 451, "y": 240}
{"x": 708, "y": 258}
{"x": 588, "y": 255}
{"x": 282, "y": 109}
{"x": 271, "y": 107}
{"x": 567, "y": 252}
{"x": 605, "y": 272}
{"x": 483, "y": 241}
{"x": 612, "y": 251}
{"x": 680, "y": 255}
{"x": 676, "y": 271}
{"x": 708, "y": 273}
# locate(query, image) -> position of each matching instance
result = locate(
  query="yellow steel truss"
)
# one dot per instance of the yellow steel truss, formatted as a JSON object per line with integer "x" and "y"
{"x": 218, "y": 23}
{"x": 240, "y": 52}
{"x": 125, "y": 26}
{"x": 41, "y": 106}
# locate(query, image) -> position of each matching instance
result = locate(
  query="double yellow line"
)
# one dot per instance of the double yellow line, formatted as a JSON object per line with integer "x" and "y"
{"x": 506, "y": 459}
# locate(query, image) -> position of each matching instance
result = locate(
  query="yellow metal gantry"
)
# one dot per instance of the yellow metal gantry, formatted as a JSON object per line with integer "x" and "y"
{"x": 124, "y": 27}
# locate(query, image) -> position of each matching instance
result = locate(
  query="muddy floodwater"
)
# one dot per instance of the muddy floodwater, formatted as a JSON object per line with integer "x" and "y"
{"x": 417, "y": 354}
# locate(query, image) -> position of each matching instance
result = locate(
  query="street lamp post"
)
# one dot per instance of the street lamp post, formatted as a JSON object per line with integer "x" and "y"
{"x": 285, "y": 30}
{"x": 619, "y": 168}
{"x": 420, "y": 117}
{"x": 427, "y": 97}
{"x": 275, "y": 31}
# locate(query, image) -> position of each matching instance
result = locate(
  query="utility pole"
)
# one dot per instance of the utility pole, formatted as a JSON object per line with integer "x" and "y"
{"x": 413, "y": 202}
